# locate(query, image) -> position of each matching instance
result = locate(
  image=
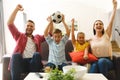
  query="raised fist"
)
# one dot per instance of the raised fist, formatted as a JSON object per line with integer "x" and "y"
{"x": 114, "y": 3}
{"x": 19, "y": 7}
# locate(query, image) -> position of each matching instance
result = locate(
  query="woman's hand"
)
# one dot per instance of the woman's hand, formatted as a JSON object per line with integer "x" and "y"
{"x": 114, "y": 4}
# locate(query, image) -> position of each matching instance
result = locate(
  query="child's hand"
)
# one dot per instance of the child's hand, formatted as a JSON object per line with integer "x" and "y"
{"x": 49, "y": 19}
{"x": 47, "y": 69}
{"x": 85, "y": 56}
{"x": 73, "y": 20}
{"x": 63, "y": 18}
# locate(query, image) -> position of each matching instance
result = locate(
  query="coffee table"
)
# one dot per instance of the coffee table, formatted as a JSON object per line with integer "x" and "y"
{"x": 88, "y": 76}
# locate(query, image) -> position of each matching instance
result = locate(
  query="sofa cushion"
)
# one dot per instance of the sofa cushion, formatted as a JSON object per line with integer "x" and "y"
{"x": 68, "y": 49}
{"x": 44, "y": 51}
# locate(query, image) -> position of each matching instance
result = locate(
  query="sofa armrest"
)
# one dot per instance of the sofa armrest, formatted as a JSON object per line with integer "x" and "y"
{"x": 6, "y": 72}
{"x": 116, "y": 62}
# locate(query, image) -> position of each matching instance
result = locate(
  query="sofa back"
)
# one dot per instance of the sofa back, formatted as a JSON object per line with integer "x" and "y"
{"x": 45, "y": 50}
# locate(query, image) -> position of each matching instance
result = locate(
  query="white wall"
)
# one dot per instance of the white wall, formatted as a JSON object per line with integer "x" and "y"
{"x": 39, "y": 10}
{"x": 116, "y": 33}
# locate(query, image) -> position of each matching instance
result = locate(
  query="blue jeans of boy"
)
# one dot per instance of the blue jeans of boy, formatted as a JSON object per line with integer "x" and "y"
{"x": 51, "y": 65}
{"x": 20, "y": 65}
{"x": 103, "y": 65}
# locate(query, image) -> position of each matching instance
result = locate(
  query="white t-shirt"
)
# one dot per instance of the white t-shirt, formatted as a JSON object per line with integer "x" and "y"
{"x": 30, "y": 48}
{"x": 101, "y": 47}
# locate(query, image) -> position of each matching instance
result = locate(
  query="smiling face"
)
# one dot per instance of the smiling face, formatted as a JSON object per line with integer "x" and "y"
{"x": 98, "y": 27}
{"x": 57, "y": 36}
{"x": 81, "y": 38}
{"x": 30, "y": 27}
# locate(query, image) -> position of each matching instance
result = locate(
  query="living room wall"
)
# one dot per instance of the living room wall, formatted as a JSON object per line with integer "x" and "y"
{"x": 39, "y": 10}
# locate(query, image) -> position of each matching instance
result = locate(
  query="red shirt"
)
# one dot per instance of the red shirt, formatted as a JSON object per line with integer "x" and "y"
{"x": 21, "y": 39}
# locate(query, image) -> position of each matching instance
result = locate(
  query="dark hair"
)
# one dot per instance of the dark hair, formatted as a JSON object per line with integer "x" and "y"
{"x": 94, "y": 32}
{"x": 57, "y": 31}
{"x": 31, "y": 21}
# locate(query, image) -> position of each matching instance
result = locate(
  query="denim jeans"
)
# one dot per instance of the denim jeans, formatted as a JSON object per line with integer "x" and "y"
{"x": 103, "y": 65}
{"x": 20, "y": 65}
{"x": 51, "y": 65}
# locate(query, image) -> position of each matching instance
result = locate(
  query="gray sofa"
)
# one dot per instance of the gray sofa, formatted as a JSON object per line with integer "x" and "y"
{"x": 112, "y": 75}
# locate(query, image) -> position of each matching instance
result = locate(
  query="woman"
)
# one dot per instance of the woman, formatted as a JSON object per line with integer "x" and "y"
{"x": 101, "y": 45}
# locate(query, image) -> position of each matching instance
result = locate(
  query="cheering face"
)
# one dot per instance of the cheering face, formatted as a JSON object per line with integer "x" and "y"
{"x": 30, "y": 27}
{"x": 81, "y": 38}
{"x": 57, "y": 37}
{"x": 98, "y": 26}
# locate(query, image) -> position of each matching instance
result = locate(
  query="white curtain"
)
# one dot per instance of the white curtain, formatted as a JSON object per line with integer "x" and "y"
{"x": 2, "y": 34}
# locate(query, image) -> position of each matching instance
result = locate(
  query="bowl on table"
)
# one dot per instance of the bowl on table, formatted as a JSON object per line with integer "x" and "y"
{"x": 80, "y": 71}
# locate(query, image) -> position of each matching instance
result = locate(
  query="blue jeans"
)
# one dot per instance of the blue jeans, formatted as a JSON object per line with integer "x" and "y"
{"x": 20, "y": 65}
{"x": 103, "y": 65}
{"x": 51, "y": 65}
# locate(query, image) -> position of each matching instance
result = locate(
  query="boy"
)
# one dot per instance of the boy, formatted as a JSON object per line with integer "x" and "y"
{"x": 56, "y": 45}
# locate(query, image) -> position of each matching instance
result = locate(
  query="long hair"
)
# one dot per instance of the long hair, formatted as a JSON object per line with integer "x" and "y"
{"x": 94, "y": 32}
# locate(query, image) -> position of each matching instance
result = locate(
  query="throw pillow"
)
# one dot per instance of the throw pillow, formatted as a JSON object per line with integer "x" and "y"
{"x": 78, "y": 57}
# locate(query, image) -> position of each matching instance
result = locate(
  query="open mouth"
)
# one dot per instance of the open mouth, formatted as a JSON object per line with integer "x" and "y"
{"x": 99, "y": 28}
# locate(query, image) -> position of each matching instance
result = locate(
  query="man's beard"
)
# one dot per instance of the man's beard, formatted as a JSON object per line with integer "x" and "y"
{"x": 28, "y": 34}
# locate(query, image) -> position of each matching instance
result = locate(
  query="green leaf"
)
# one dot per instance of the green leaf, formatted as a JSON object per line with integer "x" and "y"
{"x": 58, "y": 75}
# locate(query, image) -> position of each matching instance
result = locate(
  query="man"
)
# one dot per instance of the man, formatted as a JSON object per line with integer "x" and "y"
{"x": 26, "y": 56}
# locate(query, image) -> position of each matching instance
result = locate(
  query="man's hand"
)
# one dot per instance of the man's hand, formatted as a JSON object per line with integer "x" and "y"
{"x": 19, "y": 7}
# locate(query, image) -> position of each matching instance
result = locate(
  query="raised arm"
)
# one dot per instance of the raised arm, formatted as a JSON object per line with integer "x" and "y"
{"x": 72, "y": 34}
{"x": 49, "y": 27}
{"x": 66, "y": 26}
{"x": 109, "y": 27}
{"x": 13, "y": 15}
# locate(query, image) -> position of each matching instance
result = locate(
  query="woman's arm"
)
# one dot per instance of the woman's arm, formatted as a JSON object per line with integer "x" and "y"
{"x": 109, "y": 28}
